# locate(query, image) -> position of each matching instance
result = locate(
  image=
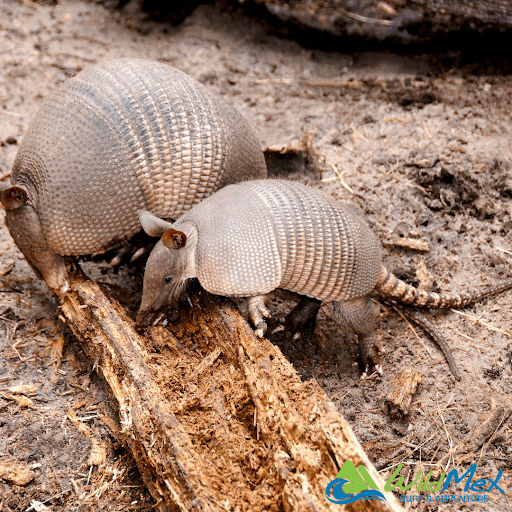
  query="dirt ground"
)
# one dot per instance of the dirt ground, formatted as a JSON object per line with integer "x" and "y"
{"x": 420, "y": 143}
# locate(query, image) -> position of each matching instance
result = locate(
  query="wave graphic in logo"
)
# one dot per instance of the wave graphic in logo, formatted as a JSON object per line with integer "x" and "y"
{"x": 358, "y": 483}
{"x": 341, "y": 498}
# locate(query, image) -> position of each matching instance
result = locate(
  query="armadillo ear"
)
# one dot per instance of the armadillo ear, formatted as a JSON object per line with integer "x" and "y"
{"x": 153, "y": 225}
{"x": 14, "y": 197}
{"x": 174, "y": 239}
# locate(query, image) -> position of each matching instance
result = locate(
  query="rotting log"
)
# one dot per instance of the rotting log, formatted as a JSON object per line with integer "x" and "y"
{"x": 406, "y": 21}
{"x": 215, "y": 418}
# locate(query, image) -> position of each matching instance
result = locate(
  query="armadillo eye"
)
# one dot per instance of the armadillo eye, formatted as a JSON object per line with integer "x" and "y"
{"x": 167, "y": 280}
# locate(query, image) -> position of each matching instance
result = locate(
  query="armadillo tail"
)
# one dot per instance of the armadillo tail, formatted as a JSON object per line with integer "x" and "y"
{"x": 395, "y": 289}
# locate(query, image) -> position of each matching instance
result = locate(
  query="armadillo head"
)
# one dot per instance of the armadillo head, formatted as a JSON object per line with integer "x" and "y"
{"x": 169, "y": 266}
{"x": 25, "y": 228}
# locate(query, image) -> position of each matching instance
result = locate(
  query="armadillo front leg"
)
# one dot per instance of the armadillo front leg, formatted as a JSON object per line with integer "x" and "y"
{"x": 361, "y": 315}
{"x": 25, "y": 227}
{"x": 258, "y": 310}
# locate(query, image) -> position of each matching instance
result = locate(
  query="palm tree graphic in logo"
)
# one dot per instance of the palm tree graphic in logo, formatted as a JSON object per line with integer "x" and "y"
{"x": 352, "y": 485}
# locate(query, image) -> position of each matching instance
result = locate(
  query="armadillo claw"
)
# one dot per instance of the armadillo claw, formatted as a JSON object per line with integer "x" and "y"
{"x": 279, "y": 328}
{"x": 258, "y": 310}
{"x": 116, "y": 260}
{"x": 138, "y": 253}
{"x": 261, "y": 329}
{"x": 61, "y": 288}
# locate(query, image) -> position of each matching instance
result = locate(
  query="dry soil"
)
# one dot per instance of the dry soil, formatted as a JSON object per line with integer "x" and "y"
{"x": 421, "y": 145}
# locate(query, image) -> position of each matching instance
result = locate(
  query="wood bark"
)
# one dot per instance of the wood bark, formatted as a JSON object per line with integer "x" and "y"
{"x": 215, "y": 418}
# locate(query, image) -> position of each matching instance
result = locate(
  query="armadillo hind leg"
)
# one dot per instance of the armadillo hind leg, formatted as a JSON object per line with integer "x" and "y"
{"x": 258, "y": 310}
{"x": 301, "y": 320}
{"x": 361, "y": 316}
{"x": 25, "y": 227}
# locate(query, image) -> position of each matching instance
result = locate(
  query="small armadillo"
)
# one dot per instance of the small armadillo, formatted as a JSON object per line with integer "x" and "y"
{"x": 119, "y": 137}
{"x": 251, "y": 238}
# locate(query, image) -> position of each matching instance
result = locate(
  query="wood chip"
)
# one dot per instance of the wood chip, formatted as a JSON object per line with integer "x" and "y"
{"x": 423, "y": 276}
{"x": 22, "y": 400}
{"x": 23, "y": 389}
{"x": 38, "y": 507}
{"x": 16, "y": 472}
{"x": 208, "y": 361}
{"x": 399, "y": 398}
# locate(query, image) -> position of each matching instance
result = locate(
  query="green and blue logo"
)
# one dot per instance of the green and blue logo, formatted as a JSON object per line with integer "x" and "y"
{"x": 355, "y": 484}
{"x": 351, "y": 485}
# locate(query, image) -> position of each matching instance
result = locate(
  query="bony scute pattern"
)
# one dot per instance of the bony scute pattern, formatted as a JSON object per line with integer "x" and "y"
{"x": 234, "y": 238}
{"x": 121, "y": 136}
{"x": 318, "y": 240}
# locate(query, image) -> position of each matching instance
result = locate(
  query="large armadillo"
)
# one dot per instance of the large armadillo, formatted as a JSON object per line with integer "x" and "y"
{"x": 119, "y": 137}
{"x": 251, "y": 238}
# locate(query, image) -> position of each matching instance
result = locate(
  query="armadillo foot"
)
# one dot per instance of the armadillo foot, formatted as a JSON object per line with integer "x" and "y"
{"x": 123, "y": 252}
{"x": 258, "y": 310}
{"x": 130, "y": 250}
{"x": 377, "y": 368}
{"x": 301, "y": 321}
{"x": 360, "y": 315}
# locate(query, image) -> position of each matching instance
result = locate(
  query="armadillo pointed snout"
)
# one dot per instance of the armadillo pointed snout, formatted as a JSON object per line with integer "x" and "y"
{"x": 149, "y": 306}
{"x": 144, "y": 317}
{"x": 147, "y": 311}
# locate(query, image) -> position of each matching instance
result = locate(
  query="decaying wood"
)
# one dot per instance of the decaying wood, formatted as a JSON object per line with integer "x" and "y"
{"x": 485, "y": 431}
{"x": 399, "y": 397}
{"x": 403, "y": 20}
{"x": 215, "y": 418}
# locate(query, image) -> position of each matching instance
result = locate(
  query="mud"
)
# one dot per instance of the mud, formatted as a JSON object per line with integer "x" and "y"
{"x": 419, "y": 144}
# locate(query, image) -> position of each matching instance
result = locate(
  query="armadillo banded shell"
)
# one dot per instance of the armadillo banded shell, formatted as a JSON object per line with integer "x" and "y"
{"x": 236, "y": 244}
{"x": 283, "y": 234}
{"x": 123, "y": 136}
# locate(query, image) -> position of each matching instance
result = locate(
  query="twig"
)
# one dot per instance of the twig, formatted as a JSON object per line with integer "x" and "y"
{"x": 426, "y": 129}
{"x": 264, "y": 81}
{"x": 12, "y": 114}
{"x": 364, "y": 19}
{"x": 504, "y": 250}
{"x": 451, "y": 450}
{"x": 414, "y": 332}
{"x": 340, "y": 177}
{"x": 334, "y": 83}
{"x": 432, "y": 330}
{"x": 477, "y": 320}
